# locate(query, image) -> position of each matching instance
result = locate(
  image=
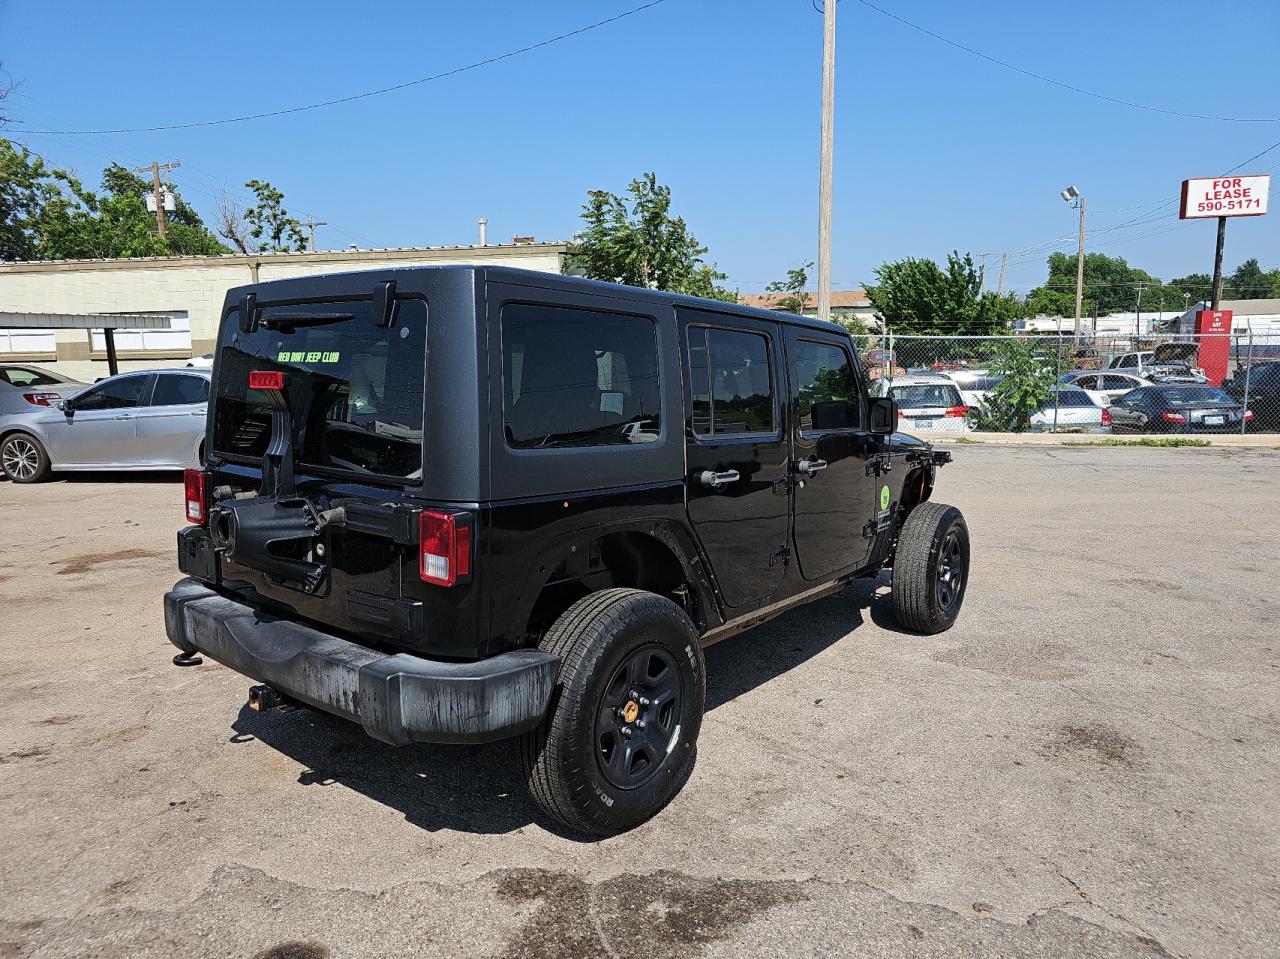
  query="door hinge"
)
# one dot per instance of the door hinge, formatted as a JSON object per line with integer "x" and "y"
{"x": 780, "y": 556}
{"x": 881, "y": 464}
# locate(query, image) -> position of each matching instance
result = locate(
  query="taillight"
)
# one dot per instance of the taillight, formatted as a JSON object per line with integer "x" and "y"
{"x": 41, "y": 399}
{"x": 266, "y": 380}
{"x": 1248, "y": 414}
{"x": 1106, "y": 417}
{"x": 1173, "y": 417}
{"x": 444, "y": 547}
{"x": 957, "y": 411}
{"x": 193, "y": 483}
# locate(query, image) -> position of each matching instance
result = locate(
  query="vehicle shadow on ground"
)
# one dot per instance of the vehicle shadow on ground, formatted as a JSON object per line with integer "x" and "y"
{"x": 148, "y": 478}
{"x": 479, "y": 789}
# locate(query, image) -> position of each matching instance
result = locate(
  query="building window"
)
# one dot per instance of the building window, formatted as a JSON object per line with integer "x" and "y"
{"x": 176, "y": 339}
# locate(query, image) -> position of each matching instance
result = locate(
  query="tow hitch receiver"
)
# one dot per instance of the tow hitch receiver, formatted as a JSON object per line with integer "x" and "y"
{"x": 262, "y": 698}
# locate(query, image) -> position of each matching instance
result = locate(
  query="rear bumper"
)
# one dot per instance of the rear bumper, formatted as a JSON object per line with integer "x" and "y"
{"x": 397, "y": 698}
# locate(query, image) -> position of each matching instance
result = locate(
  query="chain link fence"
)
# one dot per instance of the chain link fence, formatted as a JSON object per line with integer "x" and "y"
{"x": 1137, "y": 384}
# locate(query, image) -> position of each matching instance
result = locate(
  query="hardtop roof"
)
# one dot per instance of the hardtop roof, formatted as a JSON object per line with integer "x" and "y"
{"x": 296, "y": 286}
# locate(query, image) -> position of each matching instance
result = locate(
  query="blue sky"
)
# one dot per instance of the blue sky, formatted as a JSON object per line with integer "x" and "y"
{"x": 935, "y": 149}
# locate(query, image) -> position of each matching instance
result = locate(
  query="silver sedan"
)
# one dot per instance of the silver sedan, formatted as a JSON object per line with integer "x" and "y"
{"x": 133, "y": 421}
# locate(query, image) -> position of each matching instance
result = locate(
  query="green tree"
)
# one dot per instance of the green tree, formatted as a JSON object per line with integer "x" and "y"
{"x": 794, "y": 299}
{"x": 272, "y": 228}
{"x": 1026, "y": 389}
{"x": 635, "y": 240}
{"x": 48, "y": 214}
{"x": 27, "y": 188}
{"x": 1198, "y": 285}
{"x": 1249, "y": 282}
{"x": 1110, "y": 286}
{"x": 919, "y": 297}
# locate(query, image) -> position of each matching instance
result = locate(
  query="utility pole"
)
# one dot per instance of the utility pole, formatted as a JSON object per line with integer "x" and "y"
{"x": 982, "y": 271}
{"x": 1080, "y": 274}
{"x": 824, "y": 176}
{"x": 311, "y": 230}
{"x": 157, "y": 188}
{"x": 1217, "y": 263}
{"x": 1137, "y": 320}
{"x": 1000, "y": 282}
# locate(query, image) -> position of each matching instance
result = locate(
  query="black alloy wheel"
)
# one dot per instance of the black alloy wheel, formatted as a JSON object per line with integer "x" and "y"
{"x": 638, "y": 717}
{"x": 951, "y": 571}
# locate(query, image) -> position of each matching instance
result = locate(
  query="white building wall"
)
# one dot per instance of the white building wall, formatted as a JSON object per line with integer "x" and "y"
{"x": 192, "y": 290}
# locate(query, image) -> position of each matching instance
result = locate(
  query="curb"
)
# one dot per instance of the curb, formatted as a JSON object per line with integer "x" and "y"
{"x": 1266, "y": 441}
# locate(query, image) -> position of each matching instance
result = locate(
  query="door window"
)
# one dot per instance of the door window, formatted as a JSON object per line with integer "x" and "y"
{"x": 113, "y": 395}
{"x": 576, "y": 377}
{"x": 731, "y": 383}
{"x": 826, "y": 391}
{"x": 1086, "y": 382}
{"x": 179, "y": 390}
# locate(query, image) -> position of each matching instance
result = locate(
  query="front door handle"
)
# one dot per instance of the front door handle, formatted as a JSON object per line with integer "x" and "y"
{"x": 811, "y": 468}
{"x": 718, "y": 481}
{"x": 122, "y": 416}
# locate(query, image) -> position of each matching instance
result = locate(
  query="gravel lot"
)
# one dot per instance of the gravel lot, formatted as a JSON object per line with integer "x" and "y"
{"x": 1087, "y": 765}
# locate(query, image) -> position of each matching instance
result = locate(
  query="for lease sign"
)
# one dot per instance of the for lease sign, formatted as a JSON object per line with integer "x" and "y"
{"x": 1225, "y": 196}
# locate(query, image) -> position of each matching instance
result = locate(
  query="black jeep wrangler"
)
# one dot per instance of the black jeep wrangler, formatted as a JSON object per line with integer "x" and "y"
{"x": 457, "y": 504}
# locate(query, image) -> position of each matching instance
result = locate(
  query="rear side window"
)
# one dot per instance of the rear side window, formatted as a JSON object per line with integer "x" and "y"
{"x": 827, "y": 394}
{"x": 116, "y": 395}
{"x": 179, "y": 390}
{"x": 731, "y": 382}
{"x": 574, "y": 377}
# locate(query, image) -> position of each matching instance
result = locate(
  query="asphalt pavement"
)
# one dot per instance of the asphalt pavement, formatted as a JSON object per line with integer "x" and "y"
{"x": 1088, "y": 764}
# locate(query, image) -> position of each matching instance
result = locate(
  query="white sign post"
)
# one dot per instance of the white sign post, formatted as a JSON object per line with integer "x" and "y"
{"x": 1222, "y": 197}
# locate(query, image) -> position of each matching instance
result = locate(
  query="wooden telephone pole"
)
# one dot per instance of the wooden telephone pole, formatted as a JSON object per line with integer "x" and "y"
{"x": 311, "y": 231}
{"x": 824, "y": 174}
{"x": 157, "y": 188}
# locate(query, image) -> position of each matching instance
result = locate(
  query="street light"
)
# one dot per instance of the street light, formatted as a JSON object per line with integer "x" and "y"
{"x": 1076, "y": 199}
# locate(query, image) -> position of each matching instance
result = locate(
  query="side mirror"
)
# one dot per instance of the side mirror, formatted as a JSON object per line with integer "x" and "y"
{"x": 883, "y": 415}
{"x": 68, "y": 406}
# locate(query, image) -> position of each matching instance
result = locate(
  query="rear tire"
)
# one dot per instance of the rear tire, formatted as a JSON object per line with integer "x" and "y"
{"x": 580, "y": 766}
{"x": 931, "y": 568}
{"x": 23, "y": 459}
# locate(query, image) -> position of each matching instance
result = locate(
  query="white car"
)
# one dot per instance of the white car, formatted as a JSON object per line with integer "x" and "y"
{"x": 1071, "y": 410}
{"x": 201, "y": 362}
{"x": 974, "y": 385}
{"x": 1104, "y": 386}
{"x": 930, "y": 402}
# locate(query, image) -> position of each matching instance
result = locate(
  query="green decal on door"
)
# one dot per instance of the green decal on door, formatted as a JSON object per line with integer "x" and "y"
{"x": 884, "y": 497}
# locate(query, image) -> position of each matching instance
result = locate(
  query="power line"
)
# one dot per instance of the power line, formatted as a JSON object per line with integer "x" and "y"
{"x": 369, "y": 93}
{"x": 1058, "y": 83}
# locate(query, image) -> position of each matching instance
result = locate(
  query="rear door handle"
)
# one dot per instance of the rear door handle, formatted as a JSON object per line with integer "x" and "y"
{"x": 122, "y": 416}
{"x": 811, "y": 468}
{"x": 718, "y": 481}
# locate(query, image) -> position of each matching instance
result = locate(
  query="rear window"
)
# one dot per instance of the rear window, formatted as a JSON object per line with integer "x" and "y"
{"x": 23, "y": 376}
{"x": 1192, "y": 396}
{"x": 925, "y": 395}
{"x": 574, "y": 377}
{"x": 355, "y": 390}
{"x": 1073, "y": 398}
